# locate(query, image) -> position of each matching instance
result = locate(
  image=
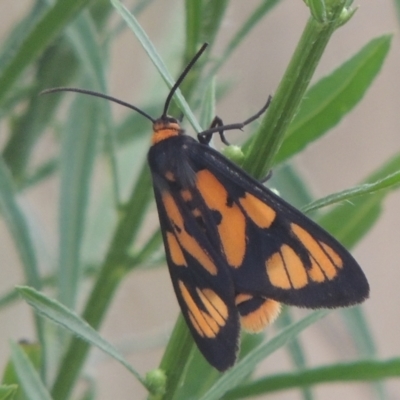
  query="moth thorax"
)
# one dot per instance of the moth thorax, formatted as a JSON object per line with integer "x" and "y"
{"x": 165, "y": 128}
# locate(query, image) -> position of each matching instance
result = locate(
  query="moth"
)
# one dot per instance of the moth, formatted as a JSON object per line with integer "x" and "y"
{"x": 234, "y": 249}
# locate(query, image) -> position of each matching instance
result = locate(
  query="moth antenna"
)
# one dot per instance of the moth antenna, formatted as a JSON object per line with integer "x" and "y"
{"x": 181, "y": 78}
{"x": 101, "y": 95}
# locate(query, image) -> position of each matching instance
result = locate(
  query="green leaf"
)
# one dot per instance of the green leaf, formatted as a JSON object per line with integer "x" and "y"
{"x": 295, "y": 350}
{"x": 18, "y": 33}
{"x": 8, "y": 297}
{"x": 330, "y": 99}
{"x": 28, "y": 377}
{"x": 156, "y": 59}
{"x": 78, "y": 49}
{"x": 369, "y": 370}
{"x": 350, "y": 194}
{"x": 7, "y": 392}
{"x": 36, "y": 40}
{"x": 363, "y": 340}
{"x": 237, "y": 373}
{"x": 363, "y": 212}
{"x": 62, "y": 316}
{"x": 76, "y": 164}
{"x": 212, "y": 17}
{"x": 18, "y": 226}
{"x": 193, "y": 13}
{"x": 397, "y": 4}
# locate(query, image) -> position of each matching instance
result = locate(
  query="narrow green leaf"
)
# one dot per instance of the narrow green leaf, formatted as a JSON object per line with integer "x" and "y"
{"x": 84, "y": 39}
{"x": 356, "y": 324}
{"x": 211, "y": 19}
{"x": 363, "y": 338}
{"x": 236, "y": 374}
{"x": 290, "y": 185}
{"x": 190, "y": 382}
{"x": 363, "y": 212}
{"x": 42, "y": 172}
{"x": 18, "y": 226}
{"x": 295, "y": 350}
{"x": 18, "y": 33}
{"x": 36, "y": 40}
{"x": 156, "y": 59}
{"x": 350, "y": 194}
{"x": 8, "y": 297}
{"x": 193, "y": 15}
{"x": 29, "y": 126}
{"x": 208, "y": 104}
{"x": 10, "y": 376}
{"x": 369, "y": 370}
{"x": 28, "y": 377}
{"x": 330, "y": 99}
{"x": 397, "y": 4}
{"x": 62, "y": 316}
{"x": 78, "y": 152}
{"x": 7, "y": 392}
{"x": 78, "y": 49}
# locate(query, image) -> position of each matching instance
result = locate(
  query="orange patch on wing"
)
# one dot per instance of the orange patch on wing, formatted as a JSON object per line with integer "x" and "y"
{"x": 294, "y": 266}
{"x": 285, "y": 269}
{"x": 242, "y": 297}
{"x": 186, "y": 195}
{"x": 207, "y": 323}
{"x": 276, "y": 271}
{"x": 196, "y": 212}
{"x": 232, "y": 228}
{"x": 170, "y": 176}
{"x": 186, "y": 241}
{"x": 337, "y": 260}
{"x": 316, "y": 250}
{"x": 259, "y": 212}
{"x": 214, "y": 305}
{"x": 257, "y": 320}
{"x": 175, "y": 250}
{"x": 315, "y": 272}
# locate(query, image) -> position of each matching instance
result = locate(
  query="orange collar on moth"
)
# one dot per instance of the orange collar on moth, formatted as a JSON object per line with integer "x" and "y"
{"x": 164, "y": 129}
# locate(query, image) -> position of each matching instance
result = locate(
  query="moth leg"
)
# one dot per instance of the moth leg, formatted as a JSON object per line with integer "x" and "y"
{"x": 267, "y": 177}
{"x": 205, "y": 137}
{"x": 217, "y": 126}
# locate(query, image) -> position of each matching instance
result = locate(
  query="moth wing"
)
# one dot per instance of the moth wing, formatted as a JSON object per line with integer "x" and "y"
{"x": 280, "y": 253}
{"x": 202, "y": 283}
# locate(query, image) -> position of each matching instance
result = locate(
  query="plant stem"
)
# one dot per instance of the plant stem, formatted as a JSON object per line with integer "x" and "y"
{"x": 176, "y": 356}
{"x": 290, "y": 91}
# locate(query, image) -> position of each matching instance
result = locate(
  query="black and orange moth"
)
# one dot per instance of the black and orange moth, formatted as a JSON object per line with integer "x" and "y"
{"x": 234, "y": 249}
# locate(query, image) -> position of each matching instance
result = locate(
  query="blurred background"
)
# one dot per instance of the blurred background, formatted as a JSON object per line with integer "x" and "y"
{"x": 145, "y": 309}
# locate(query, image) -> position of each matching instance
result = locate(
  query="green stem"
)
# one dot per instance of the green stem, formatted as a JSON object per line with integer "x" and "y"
{"x": 290, "y": 92}
{"x": 115, "y": 267}
{"x": 176, "y": 356}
